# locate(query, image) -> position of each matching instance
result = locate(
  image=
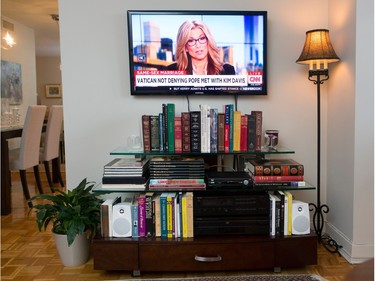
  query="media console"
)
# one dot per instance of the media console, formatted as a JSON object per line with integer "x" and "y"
{"x": 227, "y": 252}
{"x": 210, "y": 253}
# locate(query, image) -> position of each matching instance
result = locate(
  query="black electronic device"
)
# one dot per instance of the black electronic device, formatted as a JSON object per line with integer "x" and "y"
{"x": 233, "y": 225}
{"x": 217, "y": 214}
{"x": 227, "y": 179}
{"x": 231, "y": 205}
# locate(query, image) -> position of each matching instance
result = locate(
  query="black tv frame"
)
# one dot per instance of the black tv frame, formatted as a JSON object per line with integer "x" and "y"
{"x": 168, "y": 90}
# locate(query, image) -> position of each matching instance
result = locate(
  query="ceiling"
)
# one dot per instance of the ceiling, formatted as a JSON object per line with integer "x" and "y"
{"x": 36, "y": 14}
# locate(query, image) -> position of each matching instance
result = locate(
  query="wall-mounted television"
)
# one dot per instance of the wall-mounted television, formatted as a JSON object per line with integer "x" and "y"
{"x": 198, "y": 52}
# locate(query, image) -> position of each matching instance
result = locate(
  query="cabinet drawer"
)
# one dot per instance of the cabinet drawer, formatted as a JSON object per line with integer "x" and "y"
{"x": 115, "y": 255}
{"x": 202, "y": 257}
{"x": 296, "y": 251}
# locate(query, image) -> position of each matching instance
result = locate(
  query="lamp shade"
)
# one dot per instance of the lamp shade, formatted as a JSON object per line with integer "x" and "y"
{"x": 318, "y": 49}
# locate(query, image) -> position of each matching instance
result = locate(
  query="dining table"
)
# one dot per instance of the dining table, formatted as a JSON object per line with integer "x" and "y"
{"x": 9, "y": 132}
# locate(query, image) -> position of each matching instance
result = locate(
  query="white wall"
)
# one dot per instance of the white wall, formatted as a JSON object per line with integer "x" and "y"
{"x": 23, "y": 53}
{"x": 48, "y": 72}
{"x": 350, "y": 133}
{"x": 100, "y": 113}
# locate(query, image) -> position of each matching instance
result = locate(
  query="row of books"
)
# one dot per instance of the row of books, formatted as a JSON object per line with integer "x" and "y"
{"x": 281, "y": 203}
{"x": 275, "y": 172}
{"x": 157, "y": 173}
{"x": 176, "y": 173}
{"x": 182, "y": 172}
{"x": 166, "y": 215}
{"x": 206, "y": 130}
{"x": 171, "y": 215}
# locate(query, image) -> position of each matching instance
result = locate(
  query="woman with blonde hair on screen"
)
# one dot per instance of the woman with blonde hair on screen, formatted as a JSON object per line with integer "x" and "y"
{"x": 197, "y": 53}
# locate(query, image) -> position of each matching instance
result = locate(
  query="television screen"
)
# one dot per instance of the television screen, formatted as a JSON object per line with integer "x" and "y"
{"x": 198, "y": 52}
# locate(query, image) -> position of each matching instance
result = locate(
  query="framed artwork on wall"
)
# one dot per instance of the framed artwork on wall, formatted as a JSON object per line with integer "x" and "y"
{"x": 53, "y": 91}
{"x": 11, "y": 82}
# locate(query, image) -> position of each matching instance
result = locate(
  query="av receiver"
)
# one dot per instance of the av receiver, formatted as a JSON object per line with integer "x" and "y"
{"x": 231, "y": 205}
{"x": 231, "y": 225}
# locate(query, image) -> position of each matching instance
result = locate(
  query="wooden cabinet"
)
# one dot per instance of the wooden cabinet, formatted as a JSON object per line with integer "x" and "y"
{"x": 206, "y": 253}
{"x": 115, "y": 254}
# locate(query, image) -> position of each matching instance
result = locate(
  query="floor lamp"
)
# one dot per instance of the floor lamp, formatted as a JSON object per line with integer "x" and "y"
{"x": 318, "y": 53}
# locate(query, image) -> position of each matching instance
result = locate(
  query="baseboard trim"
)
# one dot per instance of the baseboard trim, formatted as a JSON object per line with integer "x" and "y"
{"x": 353, "y": 253}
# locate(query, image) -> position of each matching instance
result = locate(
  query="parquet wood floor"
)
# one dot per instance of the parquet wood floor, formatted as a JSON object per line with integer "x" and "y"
{"x": 27, "y": 254}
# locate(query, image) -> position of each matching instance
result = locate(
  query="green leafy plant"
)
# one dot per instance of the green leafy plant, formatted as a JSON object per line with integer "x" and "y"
{"x": 72, "y": 213}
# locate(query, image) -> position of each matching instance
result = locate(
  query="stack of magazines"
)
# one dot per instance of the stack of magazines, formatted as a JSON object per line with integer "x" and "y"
{"x": 126, "y": 173}
{"x": 177, "y": 173}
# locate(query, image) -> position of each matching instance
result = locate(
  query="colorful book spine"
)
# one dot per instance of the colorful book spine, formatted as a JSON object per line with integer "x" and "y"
{"x": 208, "y": 128}
{"x": 174, "y": 215}
{"x": 170, "y": 215}
{"x": 177, "y": 212}
{"x": 156, "y": 215}
{"x": 165, "y": 127}
{"x": 134, "y": 209}
{"x": 170, "y": 126}
{"x": 279, "y": 183}
{"x": 244, "y": 133}
{"x": 177, "y": 134}
{"x": 150, "y": 227}
{"x": 231, "y": 127}
{"x": 281, "y": 196}
{"x": 176, "y": 181}
{"x": 142, "y": 215}
{"x": 277, "y": 216}
{"x": 258, "y": 129}
{"x": 258, "y": 179}
{"x": 161, "y": 134}
{"x": 220, "y": 133}
{"x": 106, "y": 215}
{"x": 250, "y": 132}
{"x": 104, "y": 218}
{"x": 214, "y": 130}
{"x": 190, "y": 214}
{"x": 272, "y": 214}
{"x": 195, "y": 131}
{"x": 184, "y": 216}
{"x": 205, "y": 127}
{"x": 154, "y": 131}
{"x": 177, "y": 187}
{"x": 146, "y": 130}
{"x": 277, "y": 167}
{"x": 185, "y": 121}
{"x": 227, "y": 128}
{"x": 289, "y": 195}
{"x": 163, "y": 215}
{"x": 236, "y": 131}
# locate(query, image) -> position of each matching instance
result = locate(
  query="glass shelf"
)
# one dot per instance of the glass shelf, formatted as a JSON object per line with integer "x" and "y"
{"x": 265, "y": 151}
{"x": 99, "y": 189}
{"x": 124, "y": 151}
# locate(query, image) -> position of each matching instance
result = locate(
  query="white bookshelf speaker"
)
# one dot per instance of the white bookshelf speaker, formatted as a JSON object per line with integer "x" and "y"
{"x": 122, "y": 220}
{"x": 300, "y": 218}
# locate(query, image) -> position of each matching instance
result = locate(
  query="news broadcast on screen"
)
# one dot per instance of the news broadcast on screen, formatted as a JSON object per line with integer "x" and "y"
{"x": 197, "y": 52}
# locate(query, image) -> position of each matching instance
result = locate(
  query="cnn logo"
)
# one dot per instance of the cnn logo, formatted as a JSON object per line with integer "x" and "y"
{"x": 255, "y": 79}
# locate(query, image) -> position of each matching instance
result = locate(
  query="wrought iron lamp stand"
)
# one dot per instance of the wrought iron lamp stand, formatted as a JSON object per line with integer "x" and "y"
{"x": 321, "y": 75}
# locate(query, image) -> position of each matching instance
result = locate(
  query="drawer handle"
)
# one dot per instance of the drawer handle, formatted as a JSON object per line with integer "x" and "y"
{"x": 207, "y": 259}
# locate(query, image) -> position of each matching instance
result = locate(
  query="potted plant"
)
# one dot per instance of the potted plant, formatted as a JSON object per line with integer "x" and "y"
{"x": 75, "y": 217}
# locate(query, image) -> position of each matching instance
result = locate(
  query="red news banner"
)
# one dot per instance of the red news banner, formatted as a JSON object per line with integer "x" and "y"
{"x": 156, "y": 78}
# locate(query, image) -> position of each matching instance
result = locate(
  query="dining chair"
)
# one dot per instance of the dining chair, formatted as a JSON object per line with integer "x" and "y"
{"x": 27, "y": 155}
{"x": 50, "y": 149}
